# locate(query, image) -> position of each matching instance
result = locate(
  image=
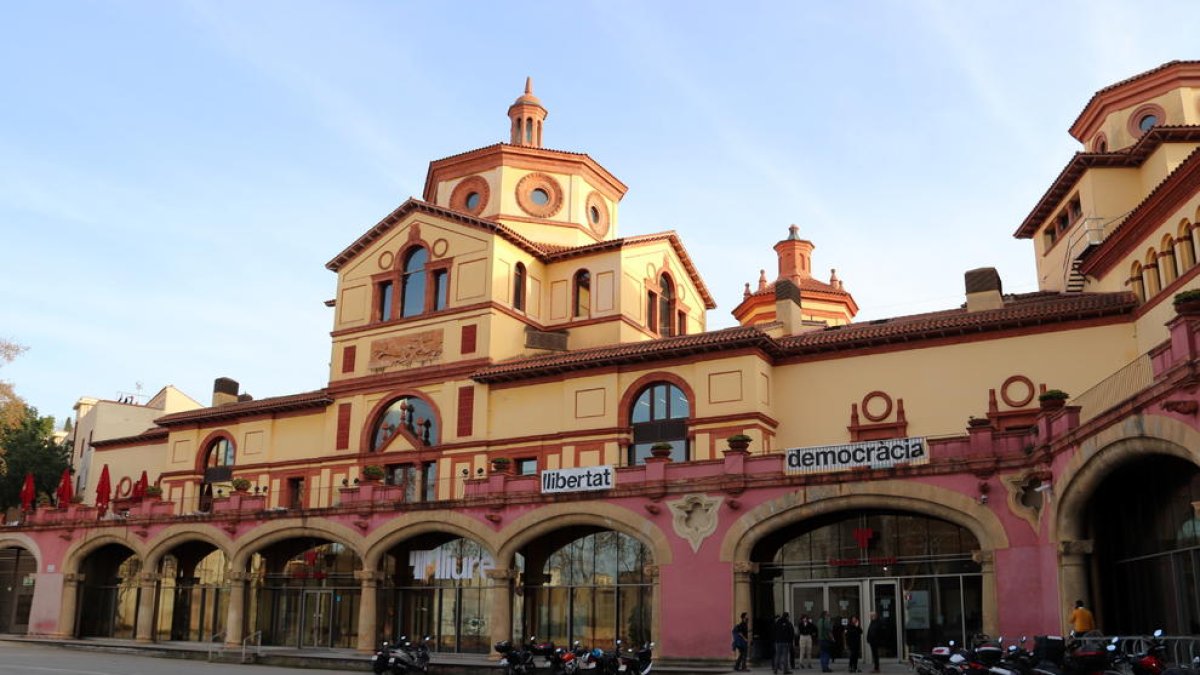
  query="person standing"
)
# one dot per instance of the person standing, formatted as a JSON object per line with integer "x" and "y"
{"x": 741, "y": 642}
{"x": 807, "y": 635}
{"x": 785, "y": 633}
{"x": 854, "y": 643}
{"x": 875, "y": 631}
{"x": 825, "y": 640}
{"x": 1082, "y": 620}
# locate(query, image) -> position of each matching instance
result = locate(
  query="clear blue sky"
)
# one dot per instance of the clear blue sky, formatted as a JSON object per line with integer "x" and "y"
{"x": 174, "y": 175}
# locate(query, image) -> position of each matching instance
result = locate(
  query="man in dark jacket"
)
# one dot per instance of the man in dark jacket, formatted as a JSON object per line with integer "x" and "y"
{"x": 741, "y": 642}
{"x": 875, "y": 639}
{"x": 785, "y": 634}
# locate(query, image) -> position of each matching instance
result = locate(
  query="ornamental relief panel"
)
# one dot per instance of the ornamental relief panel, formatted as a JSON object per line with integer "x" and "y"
{"x": 418, "y": 349}
{"x": 694, "y": 517}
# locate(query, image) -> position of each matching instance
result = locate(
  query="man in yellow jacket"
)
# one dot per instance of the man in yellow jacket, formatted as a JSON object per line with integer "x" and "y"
{"x": 1081, "y": 620}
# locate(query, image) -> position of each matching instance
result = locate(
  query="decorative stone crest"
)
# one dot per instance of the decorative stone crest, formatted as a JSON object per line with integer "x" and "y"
{"x": 694, "y": 518}
{"x": 409, "y": 350}
{"x": 745, "y": 567}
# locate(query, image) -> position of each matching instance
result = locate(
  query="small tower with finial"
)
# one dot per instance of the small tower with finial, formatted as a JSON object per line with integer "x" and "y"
{"x": 527, "y": 115}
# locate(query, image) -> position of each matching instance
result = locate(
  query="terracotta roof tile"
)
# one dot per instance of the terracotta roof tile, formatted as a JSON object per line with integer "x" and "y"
{"x": 149, "y": 435}
{"x": 1032, "y": 309}
{"x": 808, "y": 284}
{"x": 275, "y": 404}
{"x": 1127, "y": 81}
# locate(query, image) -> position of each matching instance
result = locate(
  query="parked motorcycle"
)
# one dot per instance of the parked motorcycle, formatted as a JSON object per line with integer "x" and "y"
{"x": 637, "y": 661}
{"x": 516, "y": 660}
{"x": 402, "y": 658}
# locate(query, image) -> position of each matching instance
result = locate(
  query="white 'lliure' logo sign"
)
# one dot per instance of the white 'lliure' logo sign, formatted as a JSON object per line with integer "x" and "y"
{"x": 441, "y": 565}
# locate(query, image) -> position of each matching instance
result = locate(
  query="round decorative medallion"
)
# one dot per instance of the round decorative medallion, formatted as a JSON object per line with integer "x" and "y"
{"x": 539, "y": 195}
{"x": 597, "y": 213}
{"x": 870, "y": 406}
{"x": 1011, "y": 392}
{"x": 440, "y": 247}
{"x": 470, "y": 195}
{"x": 386, "y": 259}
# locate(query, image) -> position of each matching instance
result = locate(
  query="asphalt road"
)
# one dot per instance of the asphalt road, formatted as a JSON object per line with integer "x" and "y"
{"x": 49, "y": 660}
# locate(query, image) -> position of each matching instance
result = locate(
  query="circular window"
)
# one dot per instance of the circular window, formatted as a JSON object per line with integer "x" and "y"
{"x": 1145, "y": 118}
{"x": 470, "y": 195}
{"x": 597, "y": 213}
{"x": 539, "y": 195}
{"x": 1147, "y": 122}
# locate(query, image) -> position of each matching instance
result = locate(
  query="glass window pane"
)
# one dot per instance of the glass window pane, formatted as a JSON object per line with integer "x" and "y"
{"x": 385, "y": 301}
{"x": 660, "y": 402}
{"x": 641, "y": 408}
{"x": 679, "y": 404}
{"x": 442, "y": 285}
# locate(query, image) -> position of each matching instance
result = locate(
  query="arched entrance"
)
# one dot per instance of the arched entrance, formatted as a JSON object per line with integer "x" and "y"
{"x": 1143, "y": 522}
{"x": 303, "y": 593}
{"x": 916, "y": 572}
{"x": 436, "y": 585}
{"x": 193, "y": 593}
{"x": 110, "y": 592}
{"x": 18, "y": 570}
{"x": 585, "y": 583}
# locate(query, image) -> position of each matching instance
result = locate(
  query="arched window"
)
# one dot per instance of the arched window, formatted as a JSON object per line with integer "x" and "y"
{"x": 659, "y": 415}
{"x": 412, "y": 283}
{"x": 1185, "y": 254}
{"x": 1167, "y": 264}
{"x": 1136, "y": 283}
{"x": 519, "y": 287}
{"x": 583, "y": 294}
{"x": 409, "y": 413}
{"x": 666, "y": 306}
{"x": 220, "y": 453}
{"x": 1150, "y": 274}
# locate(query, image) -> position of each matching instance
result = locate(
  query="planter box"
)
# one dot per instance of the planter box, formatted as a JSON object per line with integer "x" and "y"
{"x": 238, "y": 501}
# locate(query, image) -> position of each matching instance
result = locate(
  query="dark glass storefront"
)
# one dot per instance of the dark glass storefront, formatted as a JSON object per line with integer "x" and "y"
{"x": 586, "y": 586}
{"x": 307, "y": 599}
{"x": 109, "y": 596}
{"x": 18, "y": 570}
{"x": 1147, "y": 547}
{"x": 915, "y": 572}
{"x": 193, "y": 599}
{"x": 439, "y": 589}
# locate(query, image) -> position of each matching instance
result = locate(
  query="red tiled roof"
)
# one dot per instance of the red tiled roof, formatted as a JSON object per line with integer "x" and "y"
{"x": 566, "y": 155}
{"x": 1019, "y": 311}
{"x": 275, "y": 404}
{"x": 650, "y": 350}
{"x": 808, "y": 284}
{"x": 1031, "y": 309}
{"x": 1127, "y": 81}
{"x": 149, "y": 435}
{"x": 1130, "y": 157}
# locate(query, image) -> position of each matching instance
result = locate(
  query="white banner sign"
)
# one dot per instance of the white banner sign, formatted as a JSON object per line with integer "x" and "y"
{"x": 439, "y": 564}
{"x": 871, "y": 454}
{"x": 578, "y": 480}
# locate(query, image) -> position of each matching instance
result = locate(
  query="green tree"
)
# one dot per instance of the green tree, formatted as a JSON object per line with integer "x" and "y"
{"x": 12, "y": 408}
{"x": 29, "y": 447}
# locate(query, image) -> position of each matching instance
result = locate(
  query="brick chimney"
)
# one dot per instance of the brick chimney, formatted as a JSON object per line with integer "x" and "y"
{"x": 983, "y": 289}
{"x": 787, "y": 307}
{"x": 225, "y": 391}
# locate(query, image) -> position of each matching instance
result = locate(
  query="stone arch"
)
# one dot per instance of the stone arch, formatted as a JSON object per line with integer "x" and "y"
{"x": 95, "y": 539}
{"x": 1097, "y": 458}
{"x": 921, "y": 498}
{"x": 542, "y": 521}
{"x": 174, "y": 535}
{"x": 17, "y": 540}
{"x": 411, "y": 525}
{"x": 261, "y": 537}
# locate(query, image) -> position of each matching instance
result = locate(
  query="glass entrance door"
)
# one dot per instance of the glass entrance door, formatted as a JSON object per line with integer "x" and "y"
{"x": 846, "y": 599}
{"x": 317, "y": 619}
{"x": 884, "y": 603}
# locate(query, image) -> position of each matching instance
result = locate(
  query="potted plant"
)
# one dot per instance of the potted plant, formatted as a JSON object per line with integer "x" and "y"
{"x": 156, "y": 492}
{"x": 1187, "y": 302}
{"x": 239, "y": 485}
{"x": 43, "y": 500}
{"x": 739, "y": 442}
{"x": 661, "y": 450}
{"x": 1053, "y": 399}
{"x": 501, "y": 464}
{"x": 373, "y": 473}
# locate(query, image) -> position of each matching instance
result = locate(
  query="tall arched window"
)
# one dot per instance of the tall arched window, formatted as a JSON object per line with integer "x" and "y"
{"x": 412, "y": 283}
{"x": 659, "y": 415}
{"x": 409, "y": 413}
{"x": 582, "y": 294}
{"x": 1136, "y": 283}
{"x": 220, "y": 453}
{"x": 1185, "y": 254}
{"x": 666, "y": 306}
{"x": 519, "y": 287}
{"x": 1167, "y": 265}
{"x": 1153, "y": 281}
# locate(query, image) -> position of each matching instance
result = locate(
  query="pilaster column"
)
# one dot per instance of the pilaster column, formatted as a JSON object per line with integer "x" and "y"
{"x": 147, "y": 596}
{"x": 1073, "y": 560}
{"x": 742, "y": 569}
{"x": 69, "y": 605}
{"x": 236, "y": 612}
{"x": 500, "y": 597}
{"x": 368, "y": 608}
{"x": 987, "y": 568}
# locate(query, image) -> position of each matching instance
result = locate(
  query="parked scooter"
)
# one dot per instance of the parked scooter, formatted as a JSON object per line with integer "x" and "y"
{"x": 515, "y": 660}
{"x": 637, "y": 662}
{"x": 402, "y": 657}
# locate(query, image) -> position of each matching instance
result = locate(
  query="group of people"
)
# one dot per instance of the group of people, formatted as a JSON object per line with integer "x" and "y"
{"x": 795, "y": 642}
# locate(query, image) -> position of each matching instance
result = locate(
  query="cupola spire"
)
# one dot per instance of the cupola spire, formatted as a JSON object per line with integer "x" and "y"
{"x": 527, "y": 115}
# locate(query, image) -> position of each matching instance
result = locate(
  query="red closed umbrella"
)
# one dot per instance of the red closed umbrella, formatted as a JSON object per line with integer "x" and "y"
{"x": 65, "y": 490}
{"x": 103, "y": 490}
{"x": 139, "y": 488}
{"x": 28, "y": 492}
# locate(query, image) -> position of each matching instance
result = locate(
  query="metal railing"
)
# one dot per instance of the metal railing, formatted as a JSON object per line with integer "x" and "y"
{"x": 1086, "y": 232}
{"x": 1121, "y": 385}
{"x": 257, "y": 637}
{"x": 216, "y": 644}
{"x": 1181, "y": 649}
